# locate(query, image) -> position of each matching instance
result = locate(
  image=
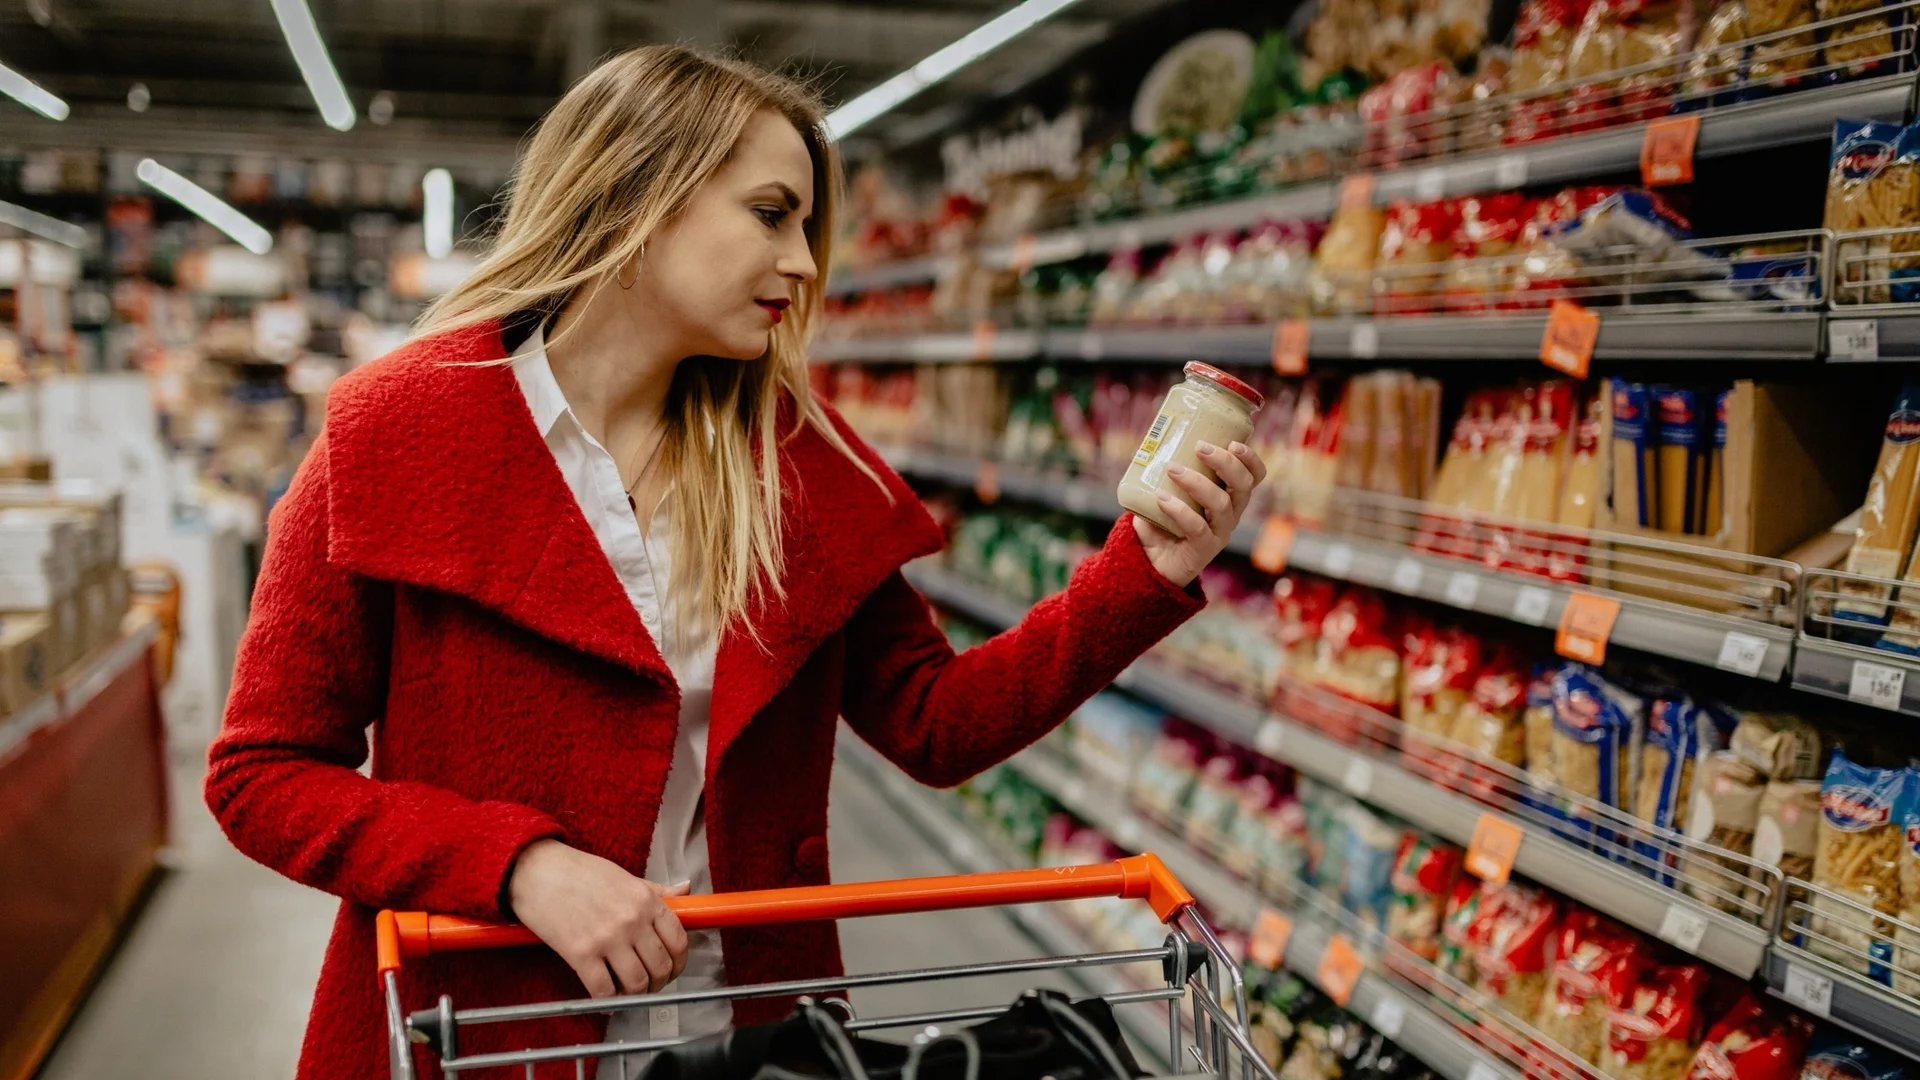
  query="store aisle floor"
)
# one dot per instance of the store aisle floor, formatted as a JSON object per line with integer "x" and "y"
{"x": 215, "y": 978}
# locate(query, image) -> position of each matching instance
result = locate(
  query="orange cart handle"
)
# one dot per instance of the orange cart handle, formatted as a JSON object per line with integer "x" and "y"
{"x": 411, "y": 935}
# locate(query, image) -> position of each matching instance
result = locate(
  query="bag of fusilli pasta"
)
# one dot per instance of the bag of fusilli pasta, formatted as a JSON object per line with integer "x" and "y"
{"x": 1858, "y": 858}
{"x": 1871, "y": 185}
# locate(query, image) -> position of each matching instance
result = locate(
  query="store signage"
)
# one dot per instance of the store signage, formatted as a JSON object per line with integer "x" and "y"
{"x": 1044, "y": 146}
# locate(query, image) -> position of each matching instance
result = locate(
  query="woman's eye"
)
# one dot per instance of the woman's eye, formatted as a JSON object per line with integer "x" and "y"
{"x": 772, "y": 215}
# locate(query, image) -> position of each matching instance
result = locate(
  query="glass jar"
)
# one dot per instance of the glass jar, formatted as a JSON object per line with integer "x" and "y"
{"x": 1209, "y": 406}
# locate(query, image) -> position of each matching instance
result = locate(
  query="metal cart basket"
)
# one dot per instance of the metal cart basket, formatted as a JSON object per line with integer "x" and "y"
{"x": 1191, "y": 958}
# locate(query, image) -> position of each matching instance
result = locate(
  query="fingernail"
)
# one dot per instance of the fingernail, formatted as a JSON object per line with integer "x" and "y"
{"x": 1207, "y": 447}
{"x": 1163, "y": 496}
{"x": 1177, "y": 470}
{"x": 1238, "y": 448}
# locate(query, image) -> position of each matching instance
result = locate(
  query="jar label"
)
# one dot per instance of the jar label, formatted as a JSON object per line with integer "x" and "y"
{"x": 1148, "y": 445}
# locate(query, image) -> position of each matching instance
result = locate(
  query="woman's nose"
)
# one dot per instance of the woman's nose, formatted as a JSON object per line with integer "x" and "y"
{"x": 797, "y": 263}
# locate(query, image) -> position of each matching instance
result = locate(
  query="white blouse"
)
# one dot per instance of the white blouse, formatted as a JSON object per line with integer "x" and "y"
{"x": 679, "y": 849}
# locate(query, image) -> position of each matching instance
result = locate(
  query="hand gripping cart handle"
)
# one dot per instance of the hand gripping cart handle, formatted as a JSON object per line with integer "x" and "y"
{"x": 1218, "y": 1035}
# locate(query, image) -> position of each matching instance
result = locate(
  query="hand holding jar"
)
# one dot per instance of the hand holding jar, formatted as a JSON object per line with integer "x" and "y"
{"x": 1194, "y": 473}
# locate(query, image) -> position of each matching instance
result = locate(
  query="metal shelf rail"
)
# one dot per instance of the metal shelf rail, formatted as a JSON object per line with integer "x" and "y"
{"x": 1828, "y": 944}
{"x": 1843, "y": 617}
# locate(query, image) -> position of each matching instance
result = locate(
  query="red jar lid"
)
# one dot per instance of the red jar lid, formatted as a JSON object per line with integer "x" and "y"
{"x": 1208, "y": 371}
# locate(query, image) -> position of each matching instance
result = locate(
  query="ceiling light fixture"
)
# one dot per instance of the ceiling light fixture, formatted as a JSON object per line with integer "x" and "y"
{"x": 51, "y": 228}
{"x": 31, "y": 94}
{"x": 977, "y": 43}
{"x": 436, "y": 190}
{"x": 244, "y": 230}
{"x": 303, "y": 37}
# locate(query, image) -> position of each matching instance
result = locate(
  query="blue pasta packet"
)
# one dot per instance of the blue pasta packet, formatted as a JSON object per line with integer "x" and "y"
{"x": 1596, "y": 731}
{"x": 1861, "y": 863}
{"x": 1680, "y": 735}
{"x": 1841, "y": 1055}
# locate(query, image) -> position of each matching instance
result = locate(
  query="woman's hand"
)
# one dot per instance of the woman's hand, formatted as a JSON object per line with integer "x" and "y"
{"x": 1180, "y": 558}
{"x": 611, "y": 927}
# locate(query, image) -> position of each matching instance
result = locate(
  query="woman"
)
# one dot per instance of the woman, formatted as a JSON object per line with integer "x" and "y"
{"x": 601, "y": 575}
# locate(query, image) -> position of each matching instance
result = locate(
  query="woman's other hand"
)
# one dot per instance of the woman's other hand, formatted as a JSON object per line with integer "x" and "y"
{"x": 1180, "y": 558}
{"x": 614, "y": 929}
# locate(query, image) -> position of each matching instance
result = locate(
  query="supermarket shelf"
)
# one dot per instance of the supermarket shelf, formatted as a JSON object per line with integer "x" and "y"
{"x": 1851, "y": 1001}
{"x": 1220, "y": 344}
{"x": 1897, "y": 333}
{"x": 1724, "y": 940}
{"x": 886, "y": 275}
{"x": 999, "y": 346}
{"x": 1648, "y": 625}
{"x": 1828, "y": 667}
{"x": 1230, "y": 900}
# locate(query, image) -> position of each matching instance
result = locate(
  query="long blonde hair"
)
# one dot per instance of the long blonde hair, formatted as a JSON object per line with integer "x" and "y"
{"x": 619, "y": 155}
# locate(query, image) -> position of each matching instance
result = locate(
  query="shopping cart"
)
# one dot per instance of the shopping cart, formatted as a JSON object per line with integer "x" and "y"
{"x": 1196, "y": 962}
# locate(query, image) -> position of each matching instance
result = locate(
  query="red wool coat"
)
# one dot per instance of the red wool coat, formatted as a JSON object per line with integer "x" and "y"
{"x": 429, "y": 576}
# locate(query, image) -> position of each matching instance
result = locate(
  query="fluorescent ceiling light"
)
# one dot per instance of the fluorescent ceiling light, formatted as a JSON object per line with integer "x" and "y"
{"x": 436, "y": 190}
{"x": 242, "y": 228}
{"x": 982, "y": 40}
{"x": 31, "y": 94}
{"x": 303, "y": 37}
{"x": 60, "y": 232}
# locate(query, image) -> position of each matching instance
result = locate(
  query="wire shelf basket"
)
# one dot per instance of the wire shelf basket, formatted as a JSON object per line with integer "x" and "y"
{"x": 1877, "y": 270}
{"x": 1871, "y": 616}
{"x": 1849, "y": 936}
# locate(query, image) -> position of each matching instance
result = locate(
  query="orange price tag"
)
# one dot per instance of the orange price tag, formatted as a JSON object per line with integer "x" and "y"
{"x": 1290, "y": 347}
{"x": 1567, "y": 343}
{"x": 1666, "y": 155}
{"x": 983, "y": 332}
{"x": 986, "y": 482}
{"x": 1275, "y": 541}
{"x": 1022, "y": 260}
{"x": 1495, "y": 843}
{"x": 1585, "y": 627}
{"x": 1356, "y": 192}
{"x": 1340, "y": 968}
{"x": 1268, "y": 945}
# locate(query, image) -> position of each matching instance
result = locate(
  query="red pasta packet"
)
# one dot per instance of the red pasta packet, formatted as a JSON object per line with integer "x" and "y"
{"x": 1659, "y": 1020}
{"x": 1753, "y": 1042}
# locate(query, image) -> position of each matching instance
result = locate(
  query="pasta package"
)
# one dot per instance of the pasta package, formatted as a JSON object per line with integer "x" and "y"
{"x": 1513, "y": 946}
{"x": 1713, "y": 499}
{"x": 1857, "y": 857}
{"x": 1596, "y": 962}
{"x": 1888, "y": 517}
{"x": 1868, "y": 187}
{"x": 1488, "y": 722}
{"x": 1300, "y": 605}
{"x": 1596, "y": 726}
{"x": 1906, "y": 935}
{"x": 1456, "y": 930}
{"x": 1538, "y": 722}
{"x": 1779, "y": 745}
{"x": 1682, "y": 456}
{"x": 1679, "y": 736}
{"x": 1656, "y": 1030}
{"x": 1580, "y": 491}
{"x": 1358, "y": 654}
{"x": 1754, "y": 1041}
{"x": 1723, "y": 812}
{"x": 1424, "y": 873}
{"x": 1441, "y": 666}
{"x": 1860, "y": 44}
{"x": 1787, "y": 832}
{"x": 1635, "y": 469}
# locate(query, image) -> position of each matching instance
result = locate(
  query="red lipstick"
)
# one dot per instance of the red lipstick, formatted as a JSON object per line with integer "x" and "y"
{"x": 774, "y": 308}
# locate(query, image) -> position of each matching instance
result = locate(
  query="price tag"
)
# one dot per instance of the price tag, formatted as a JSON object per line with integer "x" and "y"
{"x": 1127, "y": 833}
{"x": 1092, "y": 346}
{"x": 1480, "y": 1070}
{"x": 1853, "y": 339}
{"x": 1364, "y": 343}
{"x": 1358, "y": 779}
{"x": 1270, "y": 738}
{"x": 1666, "y": 154}
{"x": 1808, "y": 989}
{"x": 1022, "y": 259}
{"x": 1683, "y": 928}
{"x": 1530, "y": 605}
{"x": 1077, "y": 498}
{"x": 1389, "y": 1015}
{"x": 1275, "y": 541}
{"x": 983, "y": 333}
{"x": 1567, "y": 343}
{"x": 1339, "y": 970}
{"x": 1406, "y": 576}
{"x": 1510, "y": 171}
{"x": 986, "y": 482}
{"x": 1074, "y": 791}
{"x": 1429, "y": 184}
{"x": 1268, "y": 944}
{"x": 1495, "y": 844}
{"x": 1585, "y": 626}
{"x": 1463, "y": 588}
{"x": 1290, "y": 347}
{"x": 1742, "y": 653}
{"x": 1356, "y": 192}
{"x": 1339, "y": 560}
{"x": 1877, "y": 684}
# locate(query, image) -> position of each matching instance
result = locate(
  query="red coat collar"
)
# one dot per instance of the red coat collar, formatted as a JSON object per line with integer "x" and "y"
{"x": 438, "y": 478}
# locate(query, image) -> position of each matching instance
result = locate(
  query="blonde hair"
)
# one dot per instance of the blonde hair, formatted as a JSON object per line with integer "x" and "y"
{"x": 619, "y": 155}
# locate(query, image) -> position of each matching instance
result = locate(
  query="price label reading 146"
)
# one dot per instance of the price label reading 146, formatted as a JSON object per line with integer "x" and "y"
{"x": 1742, "y": 653}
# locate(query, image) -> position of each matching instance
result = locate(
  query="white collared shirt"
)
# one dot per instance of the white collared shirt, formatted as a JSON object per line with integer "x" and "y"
{"x": 642, "y": 562}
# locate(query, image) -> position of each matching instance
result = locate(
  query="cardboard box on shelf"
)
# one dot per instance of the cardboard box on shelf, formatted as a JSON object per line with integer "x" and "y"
{"x": 102, "y": 602}
{"x": 26, "y": 670}
{"x": 37, "y": 469}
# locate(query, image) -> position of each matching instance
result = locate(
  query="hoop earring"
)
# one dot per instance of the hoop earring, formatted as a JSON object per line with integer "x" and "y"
{"x": 628, "y": 285}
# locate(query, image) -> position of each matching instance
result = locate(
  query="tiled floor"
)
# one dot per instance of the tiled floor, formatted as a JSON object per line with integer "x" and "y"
{"x": 215, "y": 978}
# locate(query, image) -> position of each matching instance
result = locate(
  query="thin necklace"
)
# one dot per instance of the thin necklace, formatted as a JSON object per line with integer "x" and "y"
{"x": 646, "y": 468}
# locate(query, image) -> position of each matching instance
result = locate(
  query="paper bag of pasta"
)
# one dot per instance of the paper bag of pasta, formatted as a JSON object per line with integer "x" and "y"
{"x": 1656, "y": 1030}
{"x": 1597, "y": 726}
{"x": 1341, "y": 282}
{"x": 1867, "y": 190}
{"x": 1858, "y": 861}
{"x": 1888, "y": 518}
{"x": 1722, "y": 815}
{"x": 1780, "y": 745}
{"x": 1680, "y": 736}
{"x": 1787, "y": 835}
{"x": 1906, "y": 934}
{"x": 1755, "y": 1041}
{"x": 1424, "y": 872}
{"x": 1596, "y": 962}
{"x": 1515, "y": 946}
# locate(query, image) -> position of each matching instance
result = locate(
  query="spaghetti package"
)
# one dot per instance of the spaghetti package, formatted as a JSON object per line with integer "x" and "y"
{"x": 1513, "y": 940}
{"x": 1597, "y": 728}
{"x": 1787, "y": 833}
{"x": 1873, "y": 182}
{"x": 1635, "y": 467}
{"x": 1358, "y": 654}
{"x": 1414, "y": 248}
{"x": 1596, "y": 962}
{"x": 1341, "y": 282}
{"x": 1724, "y": 813}
{"x": 1683, "y": 451}
{"x": 1713, "y": 500}
{"x": 1858, "y": 857}
{"x": 1488, "y": 723}
{"x": 1754, "y": 1041}
{"x": 1537, "y": 722}
{"x": 1679, "y": 737}
{"x": 1580, "y": 491}
{"x": 1656, "y": 1030}
{"x": 1889, "y": 516}
{"x": 1424, "y": 873}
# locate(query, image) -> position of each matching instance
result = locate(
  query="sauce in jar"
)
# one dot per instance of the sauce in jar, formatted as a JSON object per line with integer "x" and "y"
{"x": 1209, "y": 406}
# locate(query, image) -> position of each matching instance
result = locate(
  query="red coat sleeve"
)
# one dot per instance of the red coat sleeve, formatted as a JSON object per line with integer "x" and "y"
{"x": 944, "y": 717}
{"x": 282, "y": 778}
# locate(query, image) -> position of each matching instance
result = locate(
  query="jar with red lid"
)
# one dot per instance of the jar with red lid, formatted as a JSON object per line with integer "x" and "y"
{"x": 1208, "y": 406}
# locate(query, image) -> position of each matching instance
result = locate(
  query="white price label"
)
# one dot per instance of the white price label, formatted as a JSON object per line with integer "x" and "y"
{"x": 1683, "y": 928}
{"x": 1406, "y": 576}
{"x": 1077, "y": 498}
{"x": 1127, "y": 833}
{"x": 1810, "y": 990}
{"x": 1339, "y": 560}
{"x": 1359, "y": 777}
{"x": 1510, "y": 171}
{"x": 1480, "y": 1070}
{"x": 1742, "y": 653}
{"x": 1389, "y": 1015}
{"x": 1530, "y": 605}
{"x": 1877, "y": 684}
{"x": 1092, "y": 347}
{"x": 1364, "y": 344}
{"x": 1463, "y": 589}
{"x": 1270, "y": 738}
{"x": 1429, "y": 184}
{"x": 1074, "y": 791}
{"x": 1853, "y": 339}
